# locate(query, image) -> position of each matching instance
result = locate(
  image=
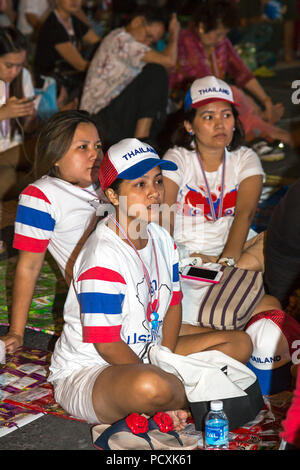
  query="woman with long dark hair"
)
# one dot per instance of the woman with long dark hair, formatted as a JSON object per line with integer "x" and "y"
{"x": 15, "y": 110}
{"x": 214, "y": 192}
{"x": 218, "y": 182}
{"x": 57, "y": 211}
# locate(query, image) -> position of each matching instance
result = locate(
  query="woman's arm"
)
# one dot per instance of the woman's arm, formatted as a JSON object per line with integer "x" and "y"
{"x": 27, "y": 272}
{"x": 246, "y": 204}
{"x": 72, "y": 56}
{"x": 256, "y": 89}
{"x": 168, "y": 56}
{"x": 91, "y": 37}
{"x": 171, "y": 326}
{"x": 117, "y": 353}
{"x": 15, "y": 107}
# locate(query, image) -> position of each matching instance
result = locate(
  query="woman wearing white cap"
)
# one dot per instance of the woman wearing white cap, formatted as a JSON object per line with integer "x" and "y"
{"x": 216, "y": 187}
{"x": 218, "y": 182}
{"x": 125, "y": 297}
{"x": 204, "y": 49}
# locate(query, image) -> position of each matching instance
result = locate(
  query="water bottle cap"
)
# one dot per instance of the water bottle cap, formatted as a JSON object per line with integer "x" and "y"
{"x": 216, "y": 405}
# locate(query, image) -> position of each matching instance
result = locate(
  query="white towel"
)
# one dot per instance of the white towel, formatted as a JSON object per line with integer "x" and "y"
{"x": 201, "y": 373}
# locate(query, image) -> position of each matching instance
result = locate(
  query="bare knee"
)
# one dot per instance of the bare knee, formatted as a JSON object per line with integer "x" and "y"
{"x": 153, "y": 386}
{"x": 236, "y": 344}
{"x": 245, "y": 346}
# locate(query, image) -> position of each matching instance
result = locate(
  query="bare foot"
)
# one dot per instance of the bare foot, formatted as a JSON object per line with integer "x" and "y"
{"x": 179, "y": 418}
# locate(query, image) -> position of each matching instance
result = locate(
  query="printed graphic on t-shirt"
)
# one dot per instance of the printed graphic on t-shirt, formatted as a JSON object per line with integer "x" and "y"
{"x": 101, "y": 295}
{"x": 197, "y": 202}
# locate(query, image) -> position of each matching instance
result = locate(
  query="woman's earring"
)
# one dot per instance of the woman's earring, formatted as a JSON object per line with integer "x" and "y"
{"x": 191, "y": 132}
{"x": 233, "y": 129}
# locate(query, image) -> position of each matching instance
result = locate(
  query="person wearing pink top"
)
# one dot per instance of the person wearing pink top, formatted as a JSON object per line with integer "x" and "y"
{"x": 291, "y": 424}
{"x": 204, "y": 49}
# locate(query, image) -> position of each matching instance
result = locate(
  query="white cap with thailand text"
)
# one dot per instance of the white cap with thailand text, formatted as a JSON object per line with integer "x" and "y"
{"x": 207, "y": 90}
{"x": 130, "y": 159}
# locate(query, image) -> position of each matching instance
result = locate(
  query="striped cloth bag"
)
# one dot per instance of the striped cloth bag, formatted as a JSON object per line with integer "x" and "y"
{"x": 229, "y": 304}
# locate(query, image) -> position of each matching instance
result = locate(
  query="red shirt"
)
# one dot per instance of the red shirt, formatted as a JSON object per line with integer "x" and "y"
{"x": 291, "y": 424}
{"x": 194, "y": 62}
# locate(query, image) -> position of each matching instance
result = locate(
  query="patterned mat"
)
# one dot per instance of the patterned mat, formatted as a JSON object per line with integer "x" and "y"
{"x": 25, "y": 396}
{"x": 46, "y": 309}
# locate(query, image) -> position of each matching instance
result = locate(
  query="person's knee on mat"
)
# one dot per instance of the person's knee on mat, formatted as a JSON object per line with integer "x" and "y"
{"x": 155, "y": 390}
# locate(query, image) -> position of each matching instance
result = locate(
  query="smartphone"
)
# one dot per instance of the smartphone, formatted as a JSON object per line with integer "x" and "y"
{"x": 202, "y": 274}
{"x": 32, "y": 98}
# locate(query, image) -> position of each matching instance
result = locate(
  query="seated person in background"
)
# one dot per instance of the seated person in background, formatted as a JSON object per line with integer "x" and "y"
{"x": 290, "y": 434}
{"x": 126, "y": 86}
{"x": 218, "y": 182}
{"x": 56, "y": 212}
{"x": 8, "y": 13}
{"x": 204, "y": 49}
{"x": 17, "y": 114}
{"x": 60, "y": 45}
{"x": 31, "y": 14}
{"x": 282, "y": 247}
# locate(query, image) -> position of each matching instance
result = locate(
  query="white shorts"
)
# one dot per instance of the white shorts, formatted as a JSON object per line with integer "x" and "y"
{"x": 74, "y": 393}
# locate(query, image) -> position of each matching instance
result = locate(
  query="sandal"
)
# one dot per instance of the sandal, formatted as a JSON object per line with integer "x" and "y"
{"x": 127, "y": 434}
{"x": 164, "y": 437}
{"x": 137, "y": 433}
{"x": 269, "y": 152}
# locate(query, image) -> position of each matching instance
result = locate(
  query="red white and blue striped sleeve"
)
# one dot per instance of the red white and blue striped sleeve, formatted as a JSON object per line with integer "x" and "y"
{"x": 177, "y": 293}
{"x": 101, "y": 293}
{"x": 34, "y": 222}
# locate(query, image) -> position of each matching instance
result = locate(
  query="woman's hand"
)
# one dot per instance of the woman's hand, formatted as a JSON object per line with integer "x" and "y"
{"x": 205, "y": 258}
{"x": 15, "y": 107}
{"x": 174, "y": 26}
{"x": 12, "y": 342}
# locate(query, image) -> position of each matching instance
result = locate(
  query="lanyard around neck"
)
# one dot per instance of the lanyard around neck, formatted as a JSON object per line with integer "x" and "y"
{"x": 146, "y": 272}
{"x": 212, "y": 208}
{"x": 90, "y": 192}
{"x": 4, "y": 125}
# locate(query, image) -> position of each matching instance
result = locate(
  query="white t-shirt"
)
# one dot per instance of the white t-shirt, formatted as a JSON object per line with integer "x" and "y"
{"x": 37, "y": 7}
{"x": 56, "y": 215}
{"x": 117, "y": 61}
{"x": 5, "y": 141}
{"x": 109, "y": 298}
{"x": 194, "y": 225}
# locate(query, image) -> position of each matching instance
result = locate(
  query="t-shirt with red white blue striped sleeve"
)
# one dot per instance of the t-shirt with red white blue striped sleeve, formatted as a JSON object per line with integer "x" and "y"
{"x": 56, "y": 215}
{"x": 109, "y": 298}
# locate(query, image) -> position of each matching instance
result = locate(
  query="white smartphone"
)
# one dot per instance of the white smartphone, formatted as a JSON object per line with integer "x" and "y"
{"x": 202, "y": 274}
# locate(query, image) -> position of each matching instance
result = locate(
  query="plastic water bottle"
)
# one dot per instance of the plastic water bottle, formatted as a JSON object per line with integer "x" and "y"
{"x": 216, "y": 427}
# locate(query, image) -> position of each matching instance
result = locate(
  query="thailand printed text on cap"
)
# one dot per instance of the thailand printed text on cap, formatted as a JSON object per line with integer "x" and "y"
{"x": 130, "y": 159}
{"x": 274, "y": 335}
{"x": 206, "y": 90}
